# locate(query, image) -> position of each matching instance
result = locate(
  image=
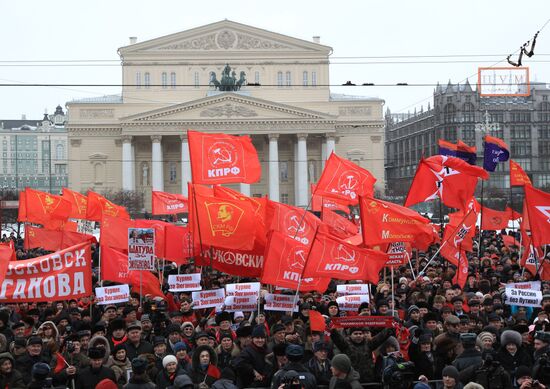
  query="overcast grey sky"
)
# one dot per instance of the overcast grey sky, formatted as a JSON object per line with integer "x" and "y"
{"x": 94, "y": 30}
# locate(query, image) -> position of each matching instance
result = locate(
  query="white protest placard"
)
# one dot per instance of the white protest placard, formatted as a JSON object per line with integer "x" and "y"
{"x": 184, "y": 282}
{"x": 141, "y": 249}
{"x": 112, "y": 294}
{"x": 85, "y": 226}
{"x": 352, "y": 302}
{"x": 533, "y": 285}
{"x": 523, "y": 297}
{"x": 280, "y": 302}
{"x": 242, "y": 290}
{"x": 348, "y": 289}
{"x": 236, "y": 303}
{"x": 208, "y": 298}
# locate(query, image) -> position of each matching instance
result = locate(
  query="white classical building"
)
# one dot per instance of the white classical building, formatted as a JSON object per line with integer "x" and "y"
{"x": 222, "y": 77}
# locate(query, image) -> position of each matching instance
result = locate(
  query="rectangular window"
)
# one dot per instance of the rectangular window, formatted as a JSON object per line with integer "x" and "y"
{"x": 164, "y": 80}
{"x": 173, "y": 172}
{"x": 279, "y": 79}
{"x": 147, "y": 80}
{"x": 521, "y": 132}
{"x": 196, "y": 79}
{"x": 525, "y": 163}
{"x": 544, "y": 148}
{"x": 284, "y": 198}
{"x": 138, "y": 80}
{"x": 304, "y": 78}
{"x": 521, "y": 148}
{"x": 542, "y": 180}
{"x": 288, "y": 79}
{"x": 313, "y": 78}
{"x": 173, "y": 80}
{"x": 256, "y": 77}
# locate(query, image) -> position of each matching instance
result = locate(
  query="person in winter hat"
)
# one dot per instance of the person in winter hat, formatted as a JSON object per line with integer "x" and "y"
{"x": 91, "y": 375}
{"x": 204, "y": 370}
{"x": 469, "y": 355}
{"x": 342, "y": 370}
{"x": 295, "y": 355}
{"x": 9, "y": 377}
{"x": 32, "y": 356}
{"x": 39, "y": 372}
{"x": 139, "y": 378}
{"x": 512, "y": 354}
{"x": 170, "y": 371}
{"x": 119, "y": 363}
{"x": 251, "y": 362}
{"x": 450, "y": 377}
{"x": 182, "y": 382}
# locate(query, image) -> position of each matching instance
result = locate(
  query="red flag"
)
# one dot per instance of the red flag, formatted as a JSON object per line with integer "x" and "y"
{"x": 79, "y": 203}
{"x": 98, "y": 206}
{"x": 333, "y": 258}
{"x": 114, "y": 232}
{"x": 461, "y": 275}
{"x": 117, "y": 271}
{"x": 509, "y": 241}
{"x": 513, "y": 215}
{"x": 53, "y": 240}
{"x": 222, "y": 222}
{"x": 22, "y": 211}
{"x": 337, "y": 225}
{"x": 178, "y": 244}
{"x": 316, "y": 321}
{"x": 319, "y": 202}
{"x": 284, "y": 264}
{"x": 342, "y": 179}
{"x": 61, "y": 363}
{"x": 538, "y": 208}
{"x": 494, "y": 220}
{"x": 531, "y": 257}
{"x": 168, "y": 203}
{"x": 449, "y": 178}
{"x": 7, "y": 254}
{"x": 384, "y": 222}
{"x": 294, "y": 222}
{"x": 460, "y": 235}
{"x": 41, "y": 207}
{"x": 518, "y": 177}
{"x": 223, "y": 159}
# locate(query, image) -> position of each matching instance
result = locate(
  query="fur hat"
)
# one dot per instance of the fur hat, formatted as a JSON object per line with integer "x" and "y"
{"x": 510, "y": 336}
{"x": 117, "y": 324}
{"x": 223, "y": 316}
{"x": 96, "y": 353}
{"x": 258, "y": 332}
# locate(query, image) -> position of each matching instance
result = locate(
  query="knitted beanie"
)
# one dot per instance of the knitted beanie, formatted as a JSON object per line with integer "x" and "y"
{"x": 342, "y": 363}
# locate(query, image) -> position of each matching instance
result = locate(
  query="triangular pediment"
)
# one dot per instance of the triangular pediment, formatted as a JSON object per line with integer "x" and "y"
{"x": 224, "y": 36}
{"x": 227, "y": 106}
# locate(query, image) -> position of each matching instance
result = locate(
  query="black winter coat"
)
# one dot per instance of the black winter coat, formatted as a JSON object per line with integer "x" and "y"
{"x": 163, "y": 380}
{"x": 14, "y": 380}
{"x": 88, "y": 378}
{"x": 132, "y": 351}
{"x": 252, "y": 358}
{"x": 322, "y": 375}
{"x": 25, "y": 363}
{"x": 511, "y": 362}
{"x": 308, "y": 381}
{"x": 469, "y": 357}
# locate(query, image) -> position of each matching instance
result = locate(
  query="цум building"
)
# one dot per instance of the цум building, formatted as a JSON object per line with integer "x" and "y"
{"x": 200, "y": 79}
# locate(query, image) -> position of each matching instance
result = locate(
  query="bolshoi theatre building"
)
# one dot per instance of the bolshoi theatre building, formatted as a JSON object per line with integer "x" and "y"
{"x": 222, "y": 77}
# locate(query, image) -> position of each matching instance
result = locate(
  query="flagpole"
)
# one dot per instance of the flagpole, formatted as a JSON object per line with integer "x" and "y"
{"x": 410, "y": 264}
{"x": 392, "y": 291}
{"x": 304, "y": 268}
{"x": 480, "y": 224}
{"x": 512, "y": 207}
{"x": 443, "y": 244}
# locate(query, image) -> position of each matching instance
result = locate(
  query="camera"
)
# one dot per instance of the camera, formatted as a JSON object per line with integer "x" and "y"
{"x": 70, "y": 347}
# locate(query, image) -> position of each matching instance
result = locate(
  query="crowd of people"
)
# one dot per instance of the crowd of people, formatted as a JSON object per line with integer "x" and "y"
{"x": 443, "y": 336}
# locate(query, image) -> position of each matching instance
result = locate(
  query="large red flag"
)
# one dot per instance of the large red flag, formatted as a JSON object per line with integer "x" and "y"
{"x": 319, "y": 202}
{"x": 294, "y": 222}
{"x": 333, "y": 258}
{"x": 449, "y": 178}
{"x": 494, "y": 220}
{"x": 222, "y": 222}
{"x": 53, "y": 240}
{"x": 532, "y": 256}
{"x": 538, "y": 208}
{"x": 518, "y": 177}
{"x": 168, "y": 203}
{"x": 242, "y": 263}
{"x": 384, "y": 222}
{"x": 114, "y": 232}
{"x": 509, "y": 241}
{"x": 338, "y": 225}
{"x": 285, "y": 259}
{"x": 178, "y": 244}
{"x": 79, "y": 203}
{"x": 116, "y": 270}
{"x": 41, "y": 207}
{"x": 98, "y": 206}
{"x": 223, "y": 159}
{"x": 344, "y": 180}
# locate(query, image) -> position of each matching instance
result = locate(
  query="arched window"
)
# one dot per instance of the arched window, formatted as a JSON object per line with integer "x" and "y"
{"x": 449, "y": 113}
{"x": 197, "y": 80}
{"x": 164, "y": 80}
{"x": 147, "y": 80}
{"x": 59, "y": 152}
{"x": 173, "y": 80}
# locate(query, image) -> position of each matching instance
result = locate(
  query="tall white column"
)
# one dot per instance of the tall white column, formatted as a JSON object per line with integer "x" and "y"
{"x": 331, "y": 144}
{"x": 273, "y": 167}
{"x": 302, "y": 171}
{"x": 133, "y": 151}
{"x": 245, "y": 189}
{"x": 158, "y": 175}
{"x": 127, "y": 163}
{"x": 185, "y": 164}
